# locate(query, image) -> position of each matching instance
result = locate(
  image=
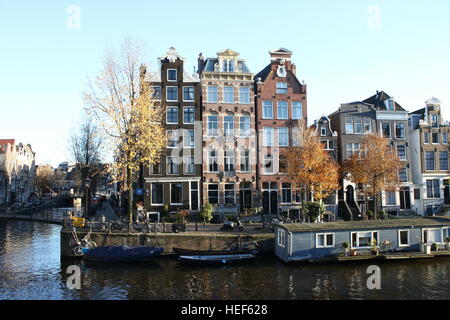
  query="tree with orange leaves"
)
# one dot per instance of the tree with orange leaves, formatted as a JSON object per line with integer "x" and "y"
{"x": 311, "y": 168}
{"x": 375, "y": 168}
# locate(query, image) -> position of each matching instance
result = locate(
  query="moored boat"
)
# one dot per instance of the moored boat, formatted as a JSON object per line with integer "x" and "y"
{"x": 189, "y": 252}
{"x": 123, "y": 254}
{"x": 218, "y": 259}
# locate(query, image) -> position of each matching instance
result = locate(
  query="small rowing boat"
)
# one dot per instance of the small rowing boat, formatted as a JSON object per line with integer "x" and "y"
{"x": 123, "y": 254}
{"x": 188, "y": 252}
{"x": 218, "y": 259}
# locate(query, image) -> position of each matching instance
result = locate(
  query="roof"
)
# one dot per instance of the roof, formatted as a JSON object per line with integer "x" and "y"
{"x": 282, "y": 51}
{"x": 433, "y": 101}
{"x": 378, "y": 100}
{"x": 7, "y": 141}
{"x": 210, "y": 62}
{"x": 264, "y": 73}
{"x": 371, "y": 224}
{"x": 420, "y": 111}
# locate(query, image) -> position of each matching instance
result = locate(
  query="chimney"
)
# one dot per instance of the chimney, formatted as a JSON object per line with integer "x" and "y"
{"x": 201, "y": 63}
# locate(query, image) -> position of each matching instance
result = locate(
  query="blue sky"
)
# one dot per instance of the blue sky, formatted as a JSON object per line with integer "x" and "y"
{"x": 344, "y": 50}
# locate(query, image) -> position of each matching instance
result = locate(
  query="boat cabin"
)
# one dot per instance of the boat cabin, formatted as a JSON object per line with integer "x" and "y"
{"x": 316, "y": 241}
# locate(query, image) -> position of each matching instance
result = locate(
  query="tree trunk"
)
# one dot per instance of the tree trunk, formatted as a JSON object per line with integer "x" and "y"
{"x": 130, "y": 195}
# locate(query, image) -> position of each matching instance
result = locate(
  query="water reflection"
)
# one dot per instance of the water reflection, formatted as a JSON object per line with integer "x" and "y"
{"x": 31, "y": 269}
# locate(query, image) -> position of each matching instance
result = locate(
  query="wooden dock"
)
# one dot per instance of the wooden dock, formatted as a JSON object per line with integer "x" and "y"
{"x": 383, "y": 256}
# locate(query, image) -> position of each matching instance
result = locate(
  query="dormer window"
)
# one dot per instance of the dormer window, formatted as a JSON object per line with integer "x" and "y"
{"x": 390, "y": 104}
{"x": 228, "y": 66}
{"x": 323, "y": 131}
{"x": 282, "y": 87}
{"x": 434, "y": 120}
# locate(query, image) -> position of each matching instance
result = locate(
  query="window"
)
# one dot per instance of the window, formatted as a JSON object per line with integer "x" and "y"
{"x": 364, "y": 239}
{"x": 244, "y": 95}
{"x": 244, "y": 126}
{"x": 268, "y": 163}
{"x": 286, "y": 193}
{"x": 367, "y": 126}
{"x": 229, "y": 160}
{"x": 433, "y": 191}
{"x": 176, "y": 193}
{"x": 323, "y": 131}
{"x": 188, "y": 115}
{"x": 245, "y": 161}
{"x": 228, "y": 126}
{"x": 403, "y": 238}
{"x": 267, "y": 110}
{"x": 435, "y": 137}
{"x": 390, "y": 198}
{"x": 229, "y": 194}
{"x": 429, "y": 160}
{"x": 212, "y": 93}
{"x": 172, "y": 93}
{"x": 213, "y": 194}
{"x": 155, "y": 168}
{"x": 325, "y": 240}
{"x": 390, "y": 105}
{"x": 172, "y": 139}
{"x": 444, "y": 138}
{"x": 157, "y": 194}
{"x": 399, "y": 130}
{"x": 268, "y": 136}
{"x": 443, "y": 160}
{"x": 386, "y": 129}
{"x": 213, "y": 163}
{"x": 348, "y": 125}
{"x": 432, "y": 235}
{"x": 155, "y": 92}
{"x": 282, "y": 87}
{"x": 228, "y": 66}
{"x": 403, "y": 175}
{"x": 172, "y": 115}
{"x": 328, "y": 145}
{"x": 172, "y": 165}
{"x": 171, "y": 75}
{"x": 297, "y": 112}
{"x": 188, "y": 93}
{"x": 416, "y": 194}
{"x": 401, "y": 151}
{"x": 358, "y": 125}
{"x": 281, "y": 237}
{"x": 434, "y": 121}
{"x": 213, "y": 125}
{"x": 426, "y": 137}
{"x": 189, "y": 139}
{"x": 188, "y": 165}
{"x": 282, "y": 163}
{"x": 283, "y": 137}
{"x": 228, "y": 94}
{"x": 282, "y": 110}
{"x": 352, "y": 148}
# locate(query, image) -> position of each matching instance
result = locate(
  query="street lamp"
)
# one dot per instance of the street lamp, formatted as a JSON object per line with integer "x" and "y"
{"x": 87, "y": 184}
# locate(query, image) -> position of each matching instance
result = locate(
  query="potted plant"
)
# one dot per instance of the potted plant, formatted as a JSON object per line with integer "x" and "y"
{"x": 375, "y": 250}
{"x": 370, "y": 214}
{"x": 434, "y": 247}
{"x": 447, "y": 243}
{"x": 180, "y": 225}
{"x": 346, "y": 246}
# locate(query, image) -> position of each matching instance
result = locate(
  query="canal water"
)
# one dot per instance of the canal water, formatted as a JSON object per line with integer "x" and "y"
{"x": 30, "y": 268}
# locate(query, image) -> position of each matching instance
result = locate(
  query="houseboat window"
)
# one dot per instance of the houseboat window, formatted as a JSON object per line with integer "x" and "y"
{"x": 403, "y": 238}
{"x": 281, "y": 234}
{"x": 432, "y": 236}
{"x": 325, "y": 240}
{"x": 364, "y": 239}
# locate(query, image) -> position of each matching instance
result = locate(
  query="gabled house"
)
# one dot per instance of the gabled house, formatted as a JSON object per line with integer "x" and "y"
{"x": 429, "y": 134}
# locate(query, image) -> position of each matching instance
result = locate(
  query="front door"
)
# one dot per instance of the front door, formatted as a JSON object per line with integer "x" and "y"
{"x": 273, "y": 202}
{"x": 245, "y": 199}
{"x": 405, "y": 199}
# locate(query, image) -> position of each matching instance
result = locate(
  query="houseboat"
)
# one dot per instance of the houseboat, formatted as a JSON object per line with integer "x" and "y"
{"x": 340, "y": 241}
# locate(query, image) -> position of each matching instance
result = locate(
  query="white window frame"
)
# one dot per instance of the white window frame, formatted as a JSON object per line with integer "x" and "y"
{"x": 225, "y": 190}
{"x": 176, "y": 75}
{"x": 281, "y": 238}
{"x": 167, "y": 95}
{"x": 325, "y": 240}
{"x": 215, "y": 131}
{"x": 152, "y": 91}
{"x": 186, "y": 138}
{"x": 433, "y": 229}
{"x": 167, "y": 118}
{"x": 283, "y": 88}
{"x": 400, "y": 239}
{"x": 216, "y": 157}
{"x": 264, "y": 109}
{"x": 175, "y": 163}
{"x": 193, "y": 114}
{"x": 280, "y": 129}
{"x": 286, "y": 108}
{"x": 243, "y": 158}
{"x": 208, "y": 92}
{"x": 223, "y": 95}
{"x": 245, "y": 133}
{"x": 245, "y": 93}
{"x": 170, "y": 132}
{"x": 187, "y": 164}
{"x": 300, "y": 107}
{"x": 193, "y": 98}
{"x": 266, "y": 131}
{"x": 357, "y": 239}
{"x": 170, "y": 195}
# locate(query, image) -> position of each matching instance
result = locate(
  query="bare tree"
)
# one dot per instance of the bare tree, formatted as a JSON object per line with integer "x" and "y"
{"x": 133, "y": 121}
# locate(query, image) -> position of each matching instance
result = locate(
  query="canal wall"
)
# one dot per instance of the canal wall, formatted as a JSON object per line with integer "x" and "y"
{"x": 191, "y": 240}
